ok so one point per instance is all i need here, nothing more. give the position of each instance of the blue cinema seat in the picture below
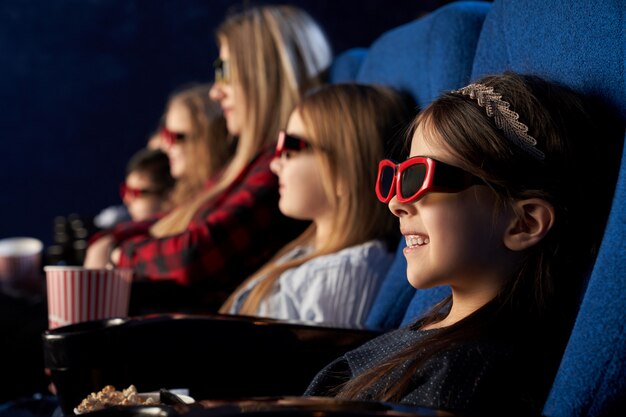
(423, 58)
(346, 65)
(429, 55)
(581, 45)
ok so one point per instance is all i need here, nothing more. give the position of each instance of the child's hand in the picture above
(115, 256)
(99, 252)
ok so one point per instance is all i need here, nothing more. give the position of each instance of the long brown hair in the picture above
(351, 124)
(207, 148)
(277, 53)
(536, 305)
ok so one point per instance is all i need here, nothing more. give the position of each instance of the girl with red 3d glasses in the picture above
(502, 200)
(324, 162)
(195, 138)
(148, 184)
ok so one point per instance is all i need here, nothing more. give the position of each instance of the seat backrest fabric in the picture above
(393, 297)
(346, 65)
(581, 44)
(422, 58)
(422, 301)
(429, 55)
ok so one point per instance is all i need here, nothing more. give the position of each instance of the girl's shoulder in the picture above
(382, 347)
(370, 250)
(479, 353)
(478, 376)
(372, 255)
(370, 259)
(488, 353)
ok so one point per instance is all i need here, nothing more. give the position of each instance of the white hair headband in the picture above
(505, 118)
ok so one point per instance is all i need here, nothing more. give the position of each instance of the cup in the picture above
(77, 294)
(20, 265)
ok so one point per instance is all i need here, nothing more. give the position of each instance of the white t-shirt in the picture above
(337, 288)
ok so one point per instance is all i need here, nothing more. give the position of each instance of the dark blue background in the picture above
(83, 83)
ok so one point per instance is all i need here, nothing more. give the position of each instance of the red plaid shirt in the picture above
(228, 238)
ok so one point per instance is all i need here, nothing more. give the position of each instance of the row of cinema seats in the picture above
(581, 44)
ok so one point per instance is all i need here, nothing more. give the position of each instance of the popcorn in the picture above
(108, 397)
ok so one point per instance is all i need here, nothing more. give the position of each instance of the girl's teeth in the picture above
(414, 240)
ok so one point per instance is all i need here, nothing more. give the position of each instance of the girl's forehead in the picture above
(178, 118)
(138, 179)
(224, 51)
(295, 124)
(426, 142)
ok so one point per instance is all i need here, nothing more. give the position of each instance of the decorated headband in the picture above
(505, 118)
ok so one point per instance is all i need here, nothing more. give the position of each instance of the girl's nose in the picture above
(276, 165)
(216, 93)
(127, 199)
(166, 146)
(400, 209)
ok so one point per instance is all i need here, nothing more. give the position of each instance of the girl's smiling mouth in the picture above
(415, 240)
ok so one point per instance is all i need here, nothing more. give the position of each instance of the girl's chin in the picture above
(416, 283)
(287, 212)
(418, 278)
(176, 172)
(292, 213)
(232, 126)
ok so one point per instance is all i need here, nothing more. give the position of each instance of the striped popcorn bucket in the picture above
(77, 294)
(20, 264)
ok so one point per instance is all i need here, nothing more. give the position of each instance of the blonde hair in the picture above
(277, 53)
(206, 148)
(348, 126)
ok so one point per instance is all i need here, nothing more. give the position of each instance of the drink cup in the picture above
(77, 294)
(20, 265)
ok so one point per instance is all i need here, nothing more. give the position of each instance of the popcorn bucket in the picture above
(77, 294)
(20, 264)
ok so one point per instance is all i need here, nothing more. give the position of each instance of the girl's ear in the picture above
(533, 219)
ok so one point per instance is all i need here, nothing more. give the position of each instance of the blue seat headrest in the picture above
(581, 45)
(346, 65)
(429, 55)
